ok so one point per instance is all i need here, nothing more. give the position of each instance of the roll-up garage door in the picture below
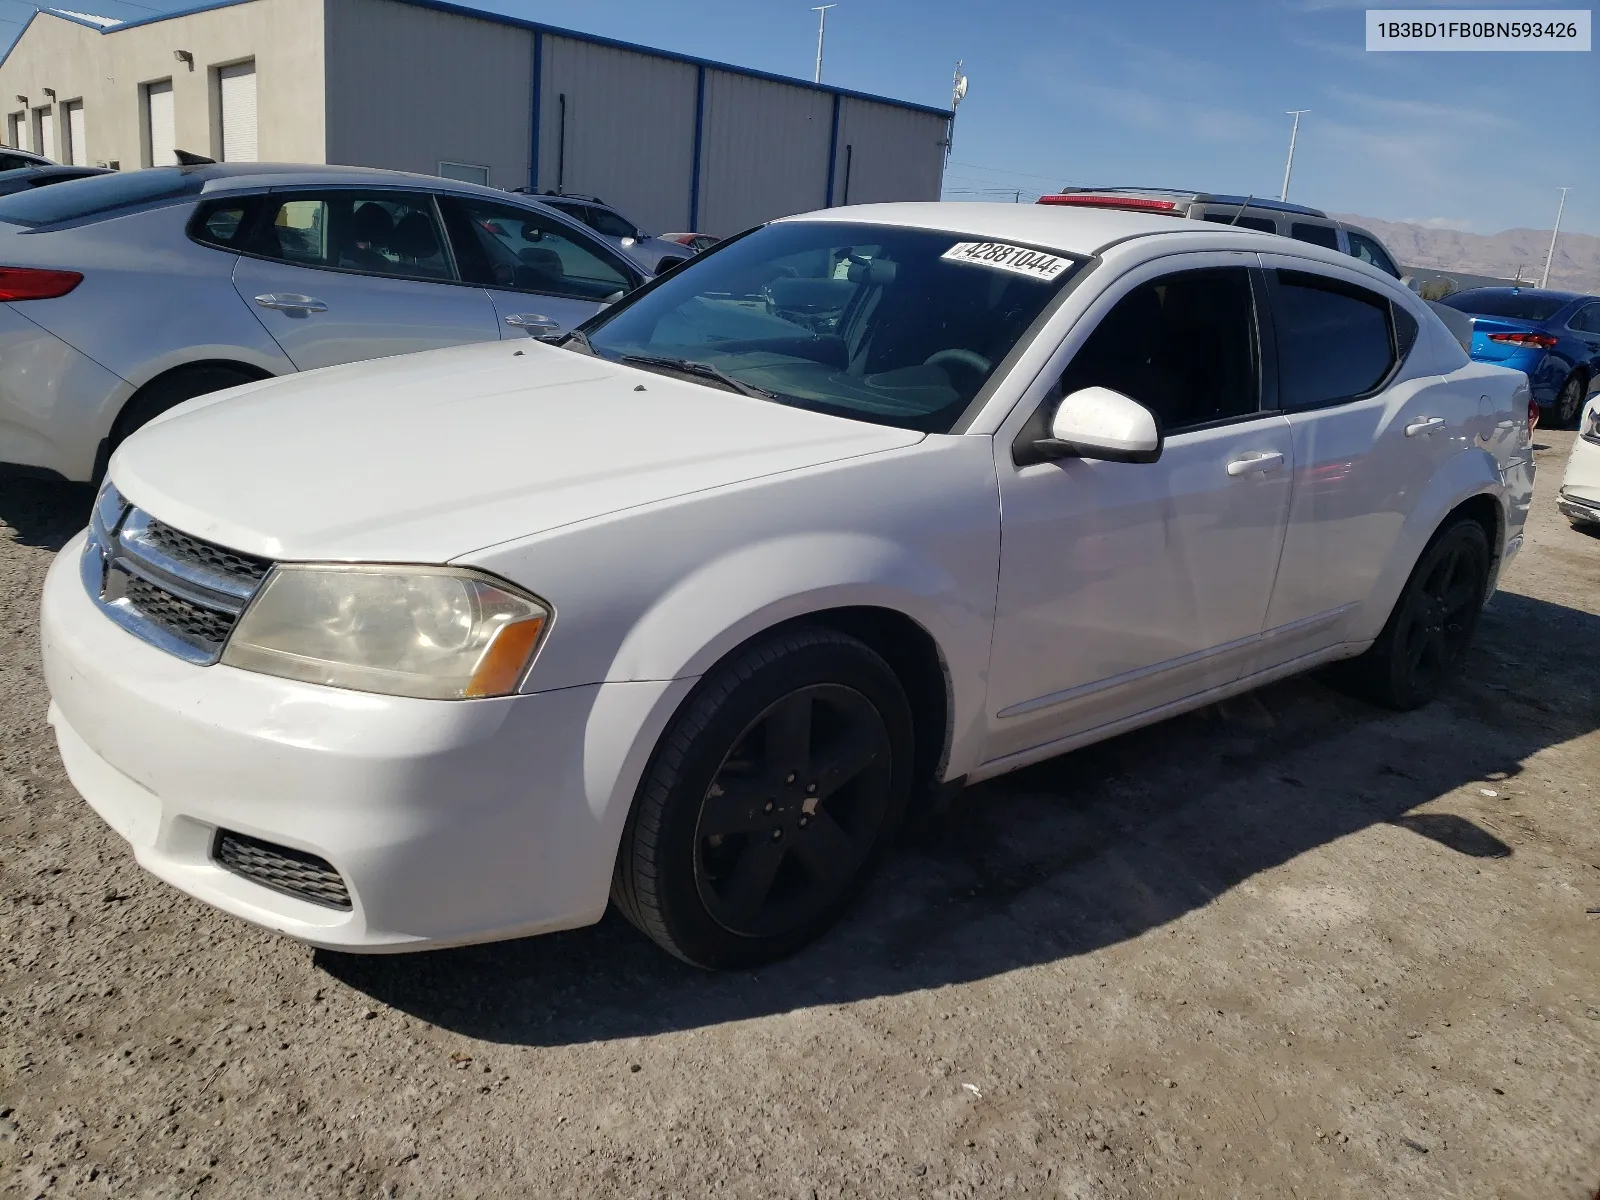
(77, 148)
(47, 132)
(163, 135)
(238, 87)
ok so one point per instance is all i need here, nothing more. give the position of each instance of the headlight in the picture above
(435, 633)
(1591, 422)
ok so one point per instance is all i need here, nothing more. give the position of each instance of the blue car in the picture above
(1552, 337)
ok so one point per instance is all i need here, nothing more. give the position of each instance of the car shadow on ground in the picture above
(1068, 856)
(44, 512)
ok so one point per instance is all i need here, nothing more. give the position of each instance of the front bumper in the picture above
(1578, 507)
(449, 822)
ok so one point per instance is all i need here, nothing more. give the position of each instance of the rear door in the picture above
(543, 275)
(338, 276)
(1364, 444)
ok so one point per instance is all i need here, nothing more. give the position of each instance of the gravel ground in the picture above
(1288, 946)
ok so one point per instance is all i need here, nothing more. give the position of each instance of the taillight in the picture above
(1533, 416)
(1542, 340)
(1135, 203)
(29, 283)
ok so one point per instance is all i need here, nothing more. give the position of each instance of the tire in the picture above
(160, 395)
(1569, 403)
(769, 802)
(1432, 624)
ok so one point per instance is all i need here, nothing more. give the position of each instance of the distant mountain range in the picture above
(1576, 266)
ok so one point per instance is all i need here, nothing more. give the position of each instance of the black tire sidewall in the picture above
(719, 718)
(1563, 420)
(169, 393)
(1402, 687)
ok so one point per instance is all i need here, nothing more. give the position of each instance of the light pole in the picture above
(1554, 233)
(958, 93)
(1293, 134)
(822, 23)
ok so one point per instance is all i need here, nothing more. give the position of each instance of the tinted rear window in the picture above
(1519, 306)
(77, 198)
(1264, 224)
(1333, 339)
(1317, 235)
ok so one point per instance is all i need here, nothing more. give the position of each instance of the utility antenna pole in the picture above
(1554, 233)
(822, 23)
(1293, 134)
(958, 93)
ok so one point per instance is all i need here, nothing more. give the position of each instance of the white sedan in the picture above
(682, 614)
(1579, 499)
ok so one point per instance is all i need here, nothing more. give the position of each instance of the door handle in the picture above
(1258, 463)
(1425, 425)
(289, 302)
(533, 324)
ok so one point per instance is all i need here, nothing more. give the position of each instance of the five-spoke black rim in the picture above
(1440, 616)
(793, 811)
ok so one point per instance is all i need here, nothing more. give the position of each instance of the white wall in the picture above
(411, 87)
(629, 130)
(765, 151)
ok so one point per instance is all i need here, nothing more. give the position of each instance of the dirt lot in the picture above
(1292, 947)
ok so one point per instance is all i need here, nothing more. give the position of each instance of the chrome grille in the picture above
(183, 548)
(176, 591)
(281, 868)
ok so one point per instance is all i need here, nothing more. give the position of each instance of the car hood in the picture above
(426, 457)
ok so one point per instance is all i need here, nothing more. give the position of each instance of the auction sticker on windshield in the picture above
(1036, 264)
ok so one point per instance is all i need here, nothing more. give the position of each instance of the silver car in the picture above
(654, 254)
(126, 294)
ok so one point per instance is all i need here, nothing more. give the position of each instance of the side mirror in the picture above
(1411, 282)
(1096, 422)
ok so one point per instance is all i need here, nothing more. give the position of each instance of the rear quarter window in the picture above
(97, 195)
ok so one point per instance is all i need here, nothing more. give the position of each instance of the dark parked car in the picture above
(1552, 337)
(20, 179)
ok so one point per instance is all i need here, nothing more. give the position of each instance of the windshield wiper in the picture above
(701, 370)
(579, 340)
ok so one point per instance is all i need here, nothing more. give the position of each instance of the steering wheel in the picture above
(967, 358)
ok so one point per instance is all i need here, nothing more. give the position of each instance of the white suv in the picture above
(684, 612)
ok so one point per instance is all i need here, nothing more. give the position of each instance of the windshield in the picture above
(1519, 306)
(74, 198)
(875, 322)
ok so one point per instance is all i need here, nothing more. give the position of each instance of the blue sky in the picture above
(1166, 92)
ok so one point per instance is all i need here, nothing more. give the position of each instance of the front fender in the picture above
(735, 597)
(1472, 472)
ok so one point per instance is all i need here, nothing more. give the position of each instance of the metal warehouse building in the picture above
(676, 143)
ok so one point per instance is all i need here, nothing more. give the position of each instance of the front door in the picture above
(338, 276)
(544, 276)
(1125, 587)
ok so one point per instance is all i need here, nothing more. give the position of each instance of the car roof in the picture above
(1193, 197)
(1071, 230)
(1537, 293)
(217, 177)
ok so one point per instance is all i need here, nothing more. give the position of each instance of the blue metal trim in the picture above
(833, 152)
(534, 115)
(699, 133)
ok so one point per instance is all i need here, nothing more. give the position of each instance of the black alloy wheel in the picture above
(771, 796)
(793, 811)
(1569, 402)
(1432, 623)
